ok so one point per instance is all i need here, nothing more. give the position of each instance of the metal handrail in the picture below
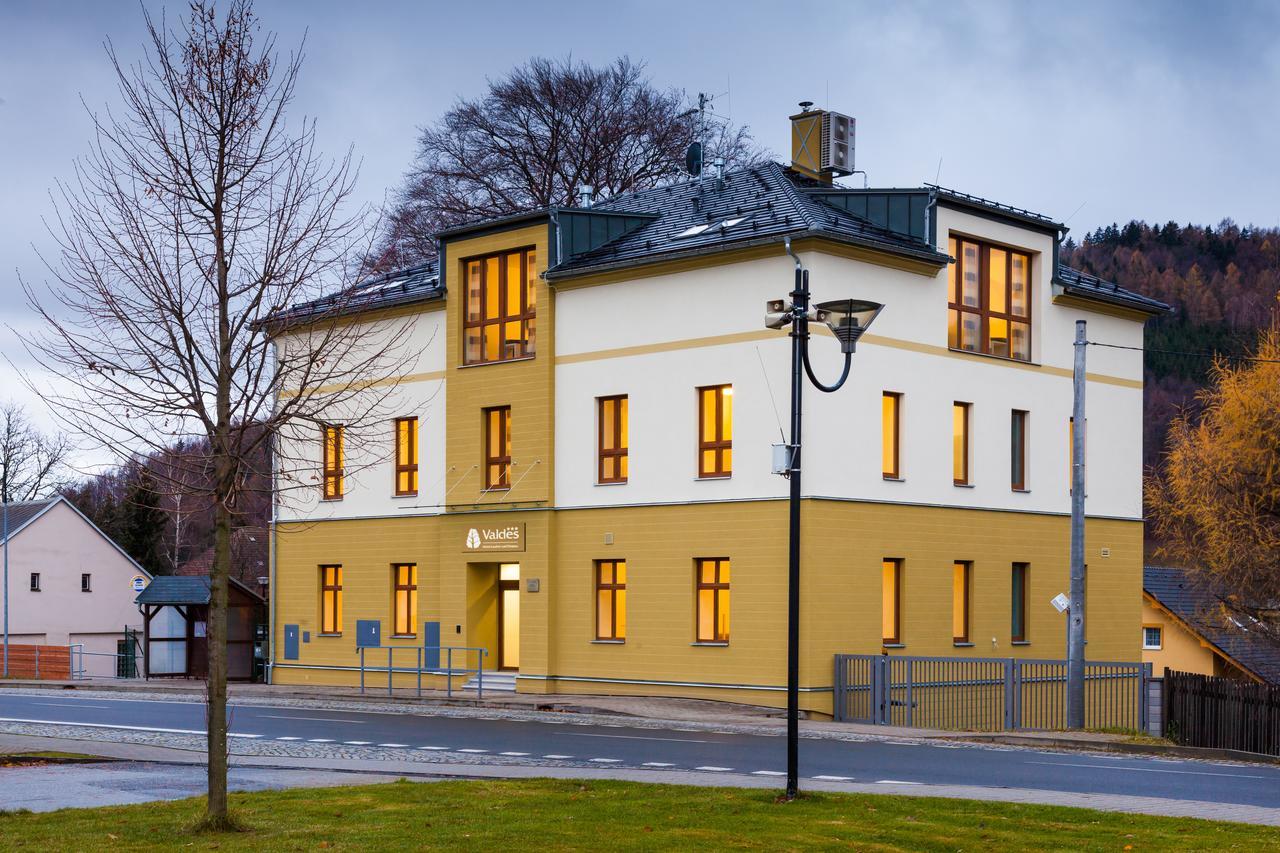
(448, 671)
(78, 668)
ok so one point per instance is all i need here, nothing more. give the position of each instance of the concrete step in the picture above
(498, 682)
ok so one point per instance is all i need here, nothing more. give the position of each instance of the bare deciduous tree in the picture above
(200, 219)
(31, 461)
(539, 133)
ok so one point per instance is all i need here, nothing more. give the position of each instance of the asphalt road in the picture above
(681, 749)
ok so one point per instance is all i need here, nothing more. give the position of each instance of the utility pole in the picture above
(5, 533)
(1075, 615)
(799, 335)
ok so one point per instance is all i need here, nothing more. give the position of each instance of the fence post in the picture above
(37, 663)
(836, 699)
(419, 672)
(362, 669)
(448, 673)
(880, 691)
(1008, 693)
(911, 702)
(1144, 698)
(480, 673)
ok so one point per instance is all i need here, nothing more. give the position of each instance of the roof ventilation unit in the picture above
(821, 142)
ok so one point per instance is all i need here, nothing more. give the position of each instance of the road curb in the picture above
(1167, 750)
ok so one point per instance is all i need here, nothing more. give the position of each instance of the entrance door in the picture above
(509, 616)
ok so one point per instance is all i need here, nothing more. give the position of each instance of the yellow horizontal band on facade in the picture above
(877, 340)
(430, 376)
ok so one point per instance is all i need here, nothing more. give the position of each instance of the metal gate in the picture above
(985, 694)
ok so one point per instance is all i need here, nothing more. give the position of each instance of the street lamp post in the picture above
(847, 319)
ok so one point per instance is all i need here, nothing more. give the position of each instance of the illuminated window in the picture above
(611, 599)
(891, 601)
(961, 589)
(497, 448)
(713, 601)
(1018, 451)
(715, 431)
(612, 429)
(989, 296)
(331, 599)
(1018, 611)
(890, 407)
(499, 307)
(960, 443)
(1152, 637)
(406, 438)
(404, 616)
(331, 448)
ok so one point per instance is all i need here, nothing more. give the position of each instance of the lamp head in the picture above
(848, 319)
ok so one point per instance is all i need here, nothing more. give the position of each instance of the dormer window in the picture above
(500, 307)
(989, 297)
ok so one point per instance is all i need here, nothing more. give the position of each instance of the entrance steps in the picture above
(498, 682)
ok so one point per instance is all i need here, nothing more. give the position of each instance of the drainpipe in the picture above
(274, 539)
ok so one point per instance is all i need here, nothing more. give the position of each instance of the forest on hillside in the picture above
(1223, 283)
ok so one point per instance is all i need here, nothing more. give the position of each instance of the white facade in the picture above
(61, 546)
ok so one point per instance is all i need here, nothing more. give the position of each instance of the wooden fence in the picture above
(1223, 713)
(30, 661)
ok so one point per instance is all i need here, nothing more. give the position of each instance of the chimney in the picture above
(821, 143)
(586, 195)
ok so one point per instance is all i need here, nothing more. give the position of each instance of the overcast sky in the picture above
(1089, 112)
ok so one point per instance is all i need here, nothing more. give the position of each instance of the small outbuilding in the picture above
(175, 614)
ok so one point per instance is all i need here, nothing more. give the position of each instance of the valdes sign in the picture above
(493, 537)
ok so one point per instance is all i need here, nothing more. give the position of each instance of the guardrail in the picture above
(985, 694)
(449, 671)
(122, 666)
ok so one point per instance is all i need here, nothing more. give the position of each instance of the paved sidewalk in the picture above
(360, 770)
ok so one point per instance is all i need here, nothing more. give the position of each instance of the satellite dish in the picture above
(693, 159)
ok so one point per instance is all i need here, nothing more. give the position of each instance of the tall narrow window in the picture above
(331, 449)
(612, 430)
(499, 307)
(960, 443)
(961, 589)
(35, 581)
(989, 297)
(1018, 451)
(713, 601)
(86, 583)
(611, 600)
(406, 438)
(890, 408)
(404, 610)
(891, 601)
(715, 431)
(497, 448)
(331, 599)
(1018, 606)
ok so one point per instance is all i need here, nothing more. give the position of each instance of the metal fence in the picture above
(1224, 713)
(985, 694)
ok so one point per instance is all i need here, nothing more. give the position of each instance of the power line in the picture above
(1208, 355)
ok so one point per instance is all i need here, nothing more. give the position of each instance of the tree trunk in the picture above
(217, 815)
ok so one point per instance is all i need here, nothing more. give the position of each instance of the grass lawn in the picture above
(540, 815)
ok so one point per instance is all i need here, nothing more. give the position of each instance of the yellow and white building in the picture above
(578, 477)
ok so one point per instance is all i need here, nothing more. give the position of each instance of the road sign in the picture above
(139, 583)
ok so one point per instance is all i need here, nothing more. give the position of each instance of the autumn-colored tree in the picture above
(1215, 505)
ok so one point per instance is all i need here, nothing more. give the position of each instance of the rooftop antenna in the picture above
(938, 174)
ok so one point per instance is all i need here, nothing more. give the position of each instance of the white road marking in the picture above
(288, 737)
(832, 778)
(607, 760)
(394, 745)
(320, 740)
(357, 742)
(513, 753)
(317, 719)
(71, 705)
(902, 742)
(657, 764)
(712, 768)
(894, 782)
(557, 757)
(435, 748)
(640, 737)
(769, 773)
(1148, 770)
(124, 728)
(473, 750)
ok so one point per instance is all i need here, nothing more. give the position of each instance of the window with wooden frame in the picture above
(331, 599)
(960, 413)
(1018, 605)
(890, 410)
(891, 601)
(712, 601)
(499, 309)
(989, 297)
(611, 600)
(331, 454)
(611, 431)
(715, 431)
(497, 448)
(1018, 450)
(406, 439)
(961, 593)
(404, 604)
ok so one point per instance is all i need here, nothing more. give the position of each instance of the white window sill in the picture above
(712, 479)
(1004, 358)
(894, 479)
(894, 645)
(608, 642)
(963, 485)
(1153, 648)
(1021, 491)
(619, 483)
(498, 361)
(964, 645)
(711, 644)
(395, 496)
(1019, 642)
